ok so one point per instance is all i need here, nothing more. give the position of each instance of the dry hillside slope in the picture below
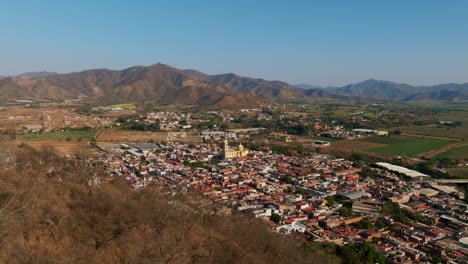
(158, 83)
(50, 214)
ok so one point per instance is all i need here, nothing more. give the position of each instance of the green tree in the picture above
(300, 191)
(365, 224)
(391, 208)
(367, 172)
(139, 127)
(155, 127)
(275, 217)
(436, 260)
(364, 253)
(380, 223)
(85, 108)
(345, 211)
(287, 179)
(357, 159)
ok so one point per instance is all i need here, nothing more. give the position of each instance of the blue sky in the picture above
(316, 42)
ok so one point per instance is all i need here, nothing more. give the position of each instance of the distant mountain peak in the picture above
(307, 86)
(37, 74)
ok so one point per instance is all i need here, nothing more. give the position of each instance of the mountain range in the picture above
(37, 74)
(32, 74)
(385, 90)
(163, 84)
(159, 83)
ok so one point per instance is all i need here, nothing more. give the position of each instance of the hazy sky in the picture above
(316, 42)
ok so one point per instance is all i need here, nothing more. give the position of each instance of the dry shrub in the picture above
(51, 212)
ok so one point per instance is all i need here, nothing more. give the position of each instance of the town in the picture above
(343, 180)
(408, 216)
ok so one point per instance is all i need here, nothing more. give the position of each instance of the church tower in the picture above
(226, 146)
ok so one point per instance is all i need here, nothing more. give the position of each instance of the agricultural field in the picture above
(365, 143)
(388, 140)
(460, 173)
(65, 135)
(128, 106)
(437, 131)
(139, 136)
(354, 145)
(460, 153)
(62, 147)
(56, 117)
(455, 112)
(411, 148)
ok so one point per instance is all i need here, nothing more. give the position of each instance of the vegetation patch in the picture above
(65, 135)
(129, 106)
(437, 131)
(411, 148)
(456, 153)
(458, 173)
(355, 145)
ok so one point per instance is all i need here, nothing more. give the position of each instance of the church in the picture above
(234, 153)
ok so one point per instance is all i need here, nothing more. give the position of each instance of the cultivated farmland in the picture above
(139, 136)
(128, 106)
(460, 173)
(354, 145)
(412, 148)
(456, 132)
(72, 135)
(388, 140)
(456, 153)
(60, 146)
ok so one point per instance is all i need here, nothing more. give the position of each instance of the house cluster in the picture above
(237, 134)
(170, 120)
(336, 131)
(86, 121)
(367, 132)
(333, 131)
(315, 198)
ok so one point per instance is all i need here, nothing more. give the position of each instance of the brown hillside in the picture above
(158, 83)
(51, 214)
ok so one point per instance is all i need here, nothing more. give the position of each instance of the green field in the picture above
(411, 148)
(456, 153)
(73, 135)
(128, 106)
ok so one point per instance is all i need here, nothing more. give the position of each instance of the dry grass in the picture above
(439, 132)
(50, 212)
(138, 136)
(19, 116)
(355, 145)
(62, 147)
